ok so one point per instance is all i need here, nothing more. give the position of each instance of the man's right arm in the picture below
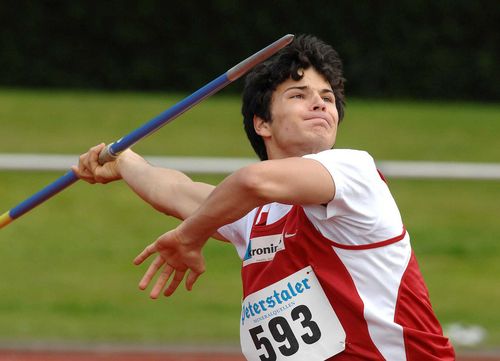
(167, 190)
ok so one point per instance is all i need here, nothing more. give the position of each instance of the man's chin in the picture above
(324, 136)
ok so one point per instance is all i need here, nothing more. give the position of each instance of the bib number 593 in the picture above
(284, 335)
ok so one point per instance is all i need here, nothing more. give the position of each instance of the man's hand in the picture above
(91, 171)
(175, 256)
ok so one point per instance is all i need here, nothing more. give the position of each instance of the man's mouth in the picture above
(320, 120)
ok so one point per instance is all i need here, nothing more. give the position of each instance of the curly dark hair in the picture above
(305, 51)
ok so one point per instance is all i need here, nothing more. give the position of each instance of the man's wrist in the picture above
(127, 158)
(196, 230)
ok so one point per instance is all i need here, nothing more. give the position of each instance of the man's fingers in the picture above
(84, 175)
(148, 276)
(178, 276)
(86, 164)
(82, 169)
(175, 259)
(94, 156)
(76, 170)
(161, 281)
(148, 251)
(191, 279)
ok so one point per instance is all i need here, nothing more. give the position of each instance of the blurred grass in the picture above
(68, 272)
(455, 234)
(67, 266)
(70, 122)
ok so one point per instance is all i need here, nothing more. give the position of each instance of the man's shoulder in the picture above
(350, 155)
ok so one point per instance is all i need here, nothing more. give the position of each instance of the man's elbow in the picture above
(255, 183)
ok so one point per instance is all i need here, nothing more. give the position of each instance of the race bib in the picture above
(290, 320)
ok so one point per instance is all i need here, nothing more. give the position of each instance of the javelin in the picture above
(114, 149)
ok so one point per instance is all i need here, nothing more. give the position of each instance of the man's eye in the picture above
(298, 96)
(328, 99)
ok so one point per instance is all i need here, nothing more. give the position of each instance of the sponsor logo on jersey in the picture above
(263, 249)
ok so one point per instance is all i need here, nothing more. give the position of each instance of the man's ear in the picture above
(261, 126)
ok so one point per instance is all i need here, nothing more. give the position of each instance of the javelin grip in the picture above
(114, 149)
(106, 155)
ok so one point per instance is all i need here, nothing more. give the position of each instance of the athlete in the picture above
(327, 266)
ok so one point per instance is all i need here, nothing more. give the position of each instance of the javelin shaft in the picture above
(114, 149)
(41, 196)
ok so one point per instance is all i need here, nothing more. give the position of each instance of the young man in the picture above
(328, 270)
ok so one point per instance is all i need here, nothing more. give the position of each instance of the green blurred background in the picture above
(422, 85)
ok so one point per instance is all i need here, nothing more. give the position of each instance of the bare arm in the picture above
(290, 181)
(167, 190)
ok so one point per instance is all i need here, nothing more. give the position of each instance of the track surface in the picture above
(33, 355)
(112, 356)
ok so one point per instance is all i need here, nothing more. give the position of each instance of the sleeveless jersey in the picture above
(338, 297)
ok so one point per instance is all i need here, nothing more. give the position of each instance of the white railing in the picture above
(215, 165)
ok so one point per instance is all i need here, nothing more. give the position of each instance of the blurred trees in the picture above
(446, 49)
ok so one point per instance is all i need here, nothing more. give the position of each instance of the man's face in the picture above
(304, 117)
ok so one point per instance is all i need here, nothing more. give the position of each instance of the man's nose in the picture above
(318, 103)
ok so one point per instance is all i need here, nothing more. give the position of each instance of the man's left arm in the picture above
(289, 181)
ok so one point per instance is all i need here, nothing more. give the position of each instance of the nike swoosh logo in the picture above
(288, 235)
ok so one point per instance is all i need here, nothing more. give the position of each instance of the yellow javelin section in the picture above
(5, 219)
